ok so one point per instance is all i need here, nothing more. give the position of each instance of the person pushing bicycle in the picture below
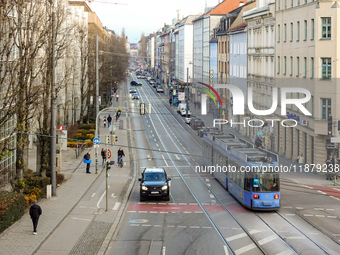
(120, 156)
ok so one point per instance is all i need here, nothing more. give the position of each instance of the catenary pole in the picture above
(97, 97)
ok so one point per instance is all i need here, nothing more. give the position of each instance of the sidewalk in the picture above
(19, 238)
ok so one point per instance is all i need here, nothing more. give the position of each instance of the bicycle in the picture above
(120, 161)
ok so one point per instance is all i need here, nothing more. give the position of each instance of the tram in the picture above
(249, 174)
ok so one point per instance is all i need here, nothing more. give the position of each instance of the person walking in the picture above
(103, 153)
(120, 156)
(87, 160)
(170, 101)
(117, 97)
(35, 212)
(109, 120)
(104, 121)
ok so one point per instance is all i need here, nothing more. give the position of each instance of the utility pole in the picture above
(53, 116)
(187, 96)
(220, 108)
(97, 96)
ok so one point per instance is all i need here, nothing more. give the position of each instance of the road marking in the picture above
(245, 248)
(295, 237)
(186, 212)
(178, 158)
(148, 125)
(80, 219)
(320, 215)
(330, 209)
(134, 225)
(153, 135)
(333, 217)
(146, 225)
(153, 212)
(112, 195)
(198, 212)
(192, 203)
(171, 226)
(142, 212)
(163, 250)
(267, 239)
(208, 184)
(336, 234)
(308, 215)
(101, 198)
(93, 194)
(131, 211)
(206, 227)
(324, 193)
(286, 252)
(82, 206)
(116, 206)
(165, 160)
(181, 226)
(299, 208)
(290, 214)
(287, 207)
(194, 227)
(207, 180)
(151, 131)
(232, 238)
(157, 225)
(226, 251)
(155, 139)
(319, 209)
(212, 196)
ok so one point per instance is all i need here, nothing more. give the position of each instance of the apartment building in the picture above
(307, 50)
(261, 67)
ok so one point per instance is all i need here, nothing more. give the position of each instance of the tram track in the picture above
(231, 214)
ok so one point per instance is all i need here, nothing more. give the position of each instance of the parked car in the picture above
(159, 89)
(135, 96)
(196, 124)
(133, 90)
(133, 83)
(181, 106)
(184, 112)
(205, 130)
(154, 183)
(139, 83)
(188, 119)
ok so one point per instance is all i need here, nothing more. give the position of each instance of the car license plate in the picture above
(154, 192)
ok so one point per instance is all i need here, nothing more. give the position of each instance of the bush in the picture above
(12, 208)
(72, 130)
(60, 178)
(87, 126)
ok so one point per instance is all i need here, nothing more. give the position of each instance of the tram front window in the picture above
(265, 182)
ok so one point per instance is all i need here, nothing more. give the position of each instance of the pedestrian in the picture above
(300, 159)
(170, 101)
(35, 212)
(103, 153)
(87, 160)
(104, 121)
(109, 119)
(117, 97)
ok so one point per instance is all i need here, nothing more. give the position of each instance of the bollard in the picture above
(48, 191)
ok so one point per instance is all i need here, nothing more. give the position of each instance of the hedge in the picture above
(12, 208)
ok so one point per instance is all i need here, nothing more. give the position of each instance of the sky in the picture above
(145, 16)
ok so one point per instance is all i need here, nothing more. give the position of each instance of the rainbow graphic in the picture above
(209, 93)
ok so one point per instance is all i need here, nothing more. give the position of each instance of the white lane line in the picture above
(101, 198)
(146, 225)
(178, 158)
(171, 226)
(181, 226)
(157, 225)
(153, 135)
(306, 186)
(207, 180)
(192, 203)
(267, 239)
(322, 192)
(148, 125)
(232, 238)
(212, 196)
(93, 194)
(116, 206)
(245, 249)
(157, 144)
(151, 203)
(151, 131)
(131, 211)
(113, 195)
(82, 206)
(155, 139)
(320, 216)
(186, 212)
(319, 209)
(182, 203)
(333, 217)
(142, 212)
(134, 225)
(287, 207)
(163, 250)
(194, 227)
(226, 251)
(206, 227)
(153, 212)
(80, 219)
(308, 215)
(295, 237)
(299, 208)
(330, 209)
(165, 160)
(208, 184)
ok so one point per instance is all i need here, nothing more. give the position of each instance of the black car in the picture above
(154, 183)
(196, 124)
(205, 130)
(133, 83)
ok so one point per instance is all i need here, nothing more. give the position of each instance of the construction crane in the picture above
(104, 2)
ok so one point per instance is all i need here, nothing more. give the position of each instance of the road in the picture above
(202, 218)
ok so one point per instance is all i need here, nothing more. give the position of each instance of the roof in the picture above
(223, 8)
(154, 170)
(188, 20)
(239, 23)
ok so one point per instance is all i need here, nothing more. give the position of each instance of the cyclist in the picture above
(119, 111)
(120, 156)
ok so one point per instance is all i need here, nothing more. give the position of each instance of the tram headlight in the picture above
(255, 196)
(276, 196)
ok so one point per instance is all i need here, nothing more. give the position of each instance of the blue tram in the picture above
(250, 175)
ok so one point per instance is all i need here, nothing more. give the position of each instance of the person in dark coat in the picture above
(35, 212)
(87, 161)
(109, 119)
(103, 153)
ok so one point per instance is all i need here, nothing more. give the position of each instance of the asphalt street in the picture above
(202, 218)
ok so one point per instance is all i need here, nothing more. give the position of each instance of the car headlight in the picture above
(165, 187)
(144, 188)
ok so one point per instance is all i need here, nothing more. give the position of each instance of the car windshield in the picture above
(154, 177)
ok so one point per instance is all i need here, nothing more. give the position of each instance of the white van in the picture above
(181, 106)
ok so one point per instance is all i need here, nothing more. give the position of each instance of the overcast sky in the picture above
(145, 16)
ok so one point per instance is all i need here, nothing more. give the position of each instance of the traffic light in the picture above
(107, 139)
(330, 121)
(108, 165)
(114, 139)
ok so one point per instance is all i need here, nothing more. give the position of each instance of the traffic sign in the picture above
(109, 154)
(96, 140)
(96, 146)
(112, 128)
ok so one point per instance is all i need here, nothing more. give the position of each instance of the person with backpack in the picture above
(104, 121)
(87, 160)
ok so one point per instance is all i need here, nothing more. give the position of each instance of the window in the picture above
(285, 4)
(291, 32)
(285, 59)
(305, 30)
(312, 29)
(292, 3)
(326, 68)
(298, 3)
(298, 65)
(325, 108)
(305, 67)
(285, 32)
(312, 67)
(298, 31)
(291, 66)
(278, 32)
(305, 1)
(326, 28)
(278, 65)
